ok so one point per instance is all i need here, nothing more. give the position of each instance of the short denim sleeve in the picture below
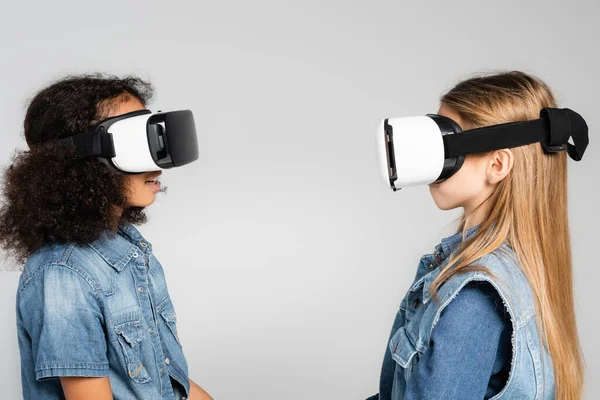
(471, 333)
(62, 316)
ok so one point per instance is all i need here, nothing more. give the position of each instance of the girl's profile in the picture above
(490, 313)
(94, 316)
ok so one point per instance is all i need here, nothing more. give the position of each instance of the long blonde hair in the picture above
(527, 210)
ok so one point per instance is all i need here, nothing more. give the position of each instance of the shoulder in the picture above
(57, 292)
(503, 262)
(505, 280)
(52, 264)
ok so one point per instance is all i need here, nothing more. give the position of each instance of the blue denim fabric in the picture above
(471, 339)
(99, 310)
(411, 364)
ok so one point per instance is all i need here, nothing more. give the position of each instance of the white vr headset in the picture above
(429, 149)
(140, 141)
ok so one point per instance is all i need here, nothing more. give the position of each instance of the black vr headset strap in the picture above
(553, 129)
(96, 143)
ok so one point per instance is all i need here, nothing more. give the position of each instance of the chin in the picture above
(143, 202)
(440, 206)
(443, 205)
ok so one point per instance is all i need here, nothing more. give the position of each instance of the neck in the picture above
(474, 215)
(116, 214)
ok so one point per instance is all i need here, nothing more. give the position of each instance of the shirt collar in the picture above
(131, 233)
(449, 244)
(441, 254)
(118, 248)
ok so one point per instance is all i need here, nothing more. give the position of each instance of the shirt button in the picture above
(416, 303)
(161, 370)
(430, 266)
(135, 255)
(167, 361)
(150, 330)
(140, 289)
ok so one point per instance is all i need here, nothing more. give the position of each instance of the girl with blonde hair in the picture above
(491, 313)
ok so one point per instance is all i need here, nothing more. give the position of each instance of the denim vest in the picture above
(531, 375)
(99, 310)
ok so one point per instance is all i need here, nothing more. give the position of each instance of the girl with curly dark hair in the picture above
(94, 316)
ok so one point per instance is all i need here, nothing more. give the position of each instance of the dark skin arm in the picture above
(197, 393)
(86, 388)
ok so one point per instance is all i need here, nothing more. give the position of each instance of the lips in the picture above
(154, 177)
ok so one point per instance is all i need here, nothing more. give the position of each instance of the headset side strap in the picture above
(553, 129)
(98, 143)
(495, 137)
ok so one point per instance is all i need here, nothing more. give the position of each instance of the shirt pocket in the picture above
(403, 353)
(130, 335)
(166, 310)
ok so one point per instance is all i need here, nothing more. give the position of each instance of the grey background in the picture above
(285, 256)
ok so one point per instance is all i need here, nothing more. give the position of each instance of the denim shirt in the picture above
(99, 310)
(408, 352)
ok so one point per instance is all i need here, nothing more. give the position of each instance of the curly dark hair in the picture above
(50, 194)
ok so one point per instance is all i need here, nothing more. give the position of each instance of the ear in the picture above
(500, 164)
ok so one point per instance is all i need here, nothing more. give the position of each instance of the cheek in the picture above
(135, 184)
(130, 182)
(447, 195)
(457, 190)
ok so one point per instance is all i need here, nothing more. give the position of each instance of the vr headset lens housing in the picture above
(411, 151)
(175, 131)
